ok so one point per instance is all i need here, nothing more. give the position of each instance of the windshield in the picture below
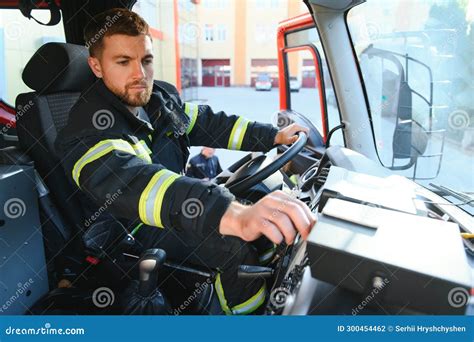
(416, 59)
(263, 78)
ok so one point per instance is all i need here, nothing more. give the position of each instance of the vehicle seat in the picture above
(57, 73)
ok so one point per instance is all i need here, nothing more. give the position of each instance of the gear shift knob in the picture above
(150, 263)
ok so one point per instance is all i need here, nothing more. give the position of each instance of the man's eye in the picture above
(123, 62)
(148, 61)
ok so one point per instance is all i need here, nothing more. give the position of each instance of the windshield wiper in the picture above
(445, 191)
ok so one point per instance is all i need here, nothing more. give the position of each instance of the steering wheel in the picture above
(261, 167)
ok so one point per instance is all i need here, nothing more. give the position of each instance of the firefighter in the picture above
(205, 165)
(130, 135)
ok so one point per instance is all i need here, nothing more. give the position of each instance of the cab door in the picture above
(312, 101)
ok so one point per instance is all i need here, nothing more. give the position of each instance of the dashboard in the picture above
(376, 246)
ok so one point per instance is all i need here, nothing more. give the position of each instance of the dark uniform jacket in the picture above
(201, 167)
(109, 153)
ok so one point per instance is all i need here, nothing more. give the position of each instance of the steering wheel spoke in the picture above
(258, 168)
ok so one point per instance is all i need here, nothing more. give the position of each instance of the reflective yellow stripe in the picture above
(220, 295)
(192, 111)
(97, 151)
(151, 199)
(246, 307)
(252, 304)
(237, 134)
(142, 150)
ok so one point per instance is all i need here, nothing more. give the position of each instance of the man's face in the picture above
(126, 67)
(208, 152)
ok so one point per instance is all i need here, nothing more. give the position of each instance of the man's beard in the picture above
(136, 100)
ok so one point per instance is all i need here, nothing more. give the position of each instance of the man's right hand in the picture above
(278, 216)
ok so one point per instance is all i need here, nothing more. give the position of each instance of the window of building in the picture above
(209, 32)
(221, 32)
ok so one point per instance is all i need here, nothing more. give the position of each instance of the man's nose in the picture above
(138, 71)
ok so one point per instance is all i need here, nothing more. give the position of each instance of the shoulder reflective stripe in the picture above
(99, 150)
(145, 146)
(237, 134)
(142, 150)
(246, 307)
(220, 295)
(252, 304)
(151, 199)
(192, 111)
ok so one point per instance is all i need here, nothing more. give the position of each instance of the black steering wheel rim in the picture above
(267, 171)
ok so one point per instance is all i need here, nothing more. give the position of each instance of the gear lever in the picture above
(150, 263)
(143, 297)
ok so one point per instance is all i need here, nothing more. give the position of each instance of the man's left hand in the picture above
(288, 135)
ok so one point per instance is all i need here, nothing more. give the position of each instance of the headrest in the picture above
(58, 67)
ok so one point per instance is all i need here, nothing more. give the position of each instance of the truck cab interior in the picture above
(384, 231)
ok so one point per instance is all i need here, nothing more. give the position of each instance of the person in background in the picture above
(205, 165)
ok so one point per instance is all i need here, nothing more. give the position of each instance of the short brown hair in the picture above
(110, 22)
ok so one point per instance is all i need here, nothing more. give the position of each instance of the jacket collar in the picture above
(161, 109)
(106, 95)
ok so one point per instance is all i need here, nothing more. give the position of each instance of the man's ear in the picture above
(95, 66)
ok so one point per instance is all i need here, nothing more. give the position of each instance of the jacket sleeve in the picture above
(232, 132)
(117, 175)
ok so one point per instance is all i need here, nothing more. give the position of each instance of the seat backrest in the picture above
(57, 73)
